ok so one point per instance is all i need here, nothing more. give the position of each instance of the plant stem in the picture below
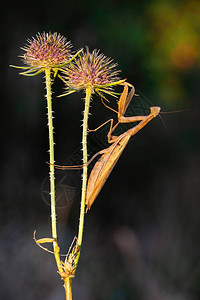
(84, 182)
(68, 288)
(52, 177)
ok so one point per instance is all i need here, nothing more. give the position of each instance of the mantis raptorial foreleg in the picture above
(123, 103)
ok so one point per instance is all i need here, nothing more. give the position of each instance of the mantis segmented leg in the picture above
(110, 155)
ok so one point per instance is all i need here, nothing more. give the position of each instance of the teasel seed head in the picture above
(46, 50)
(91, 70)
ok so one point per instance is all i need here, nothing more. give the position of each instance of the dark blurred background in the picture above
(141, 238)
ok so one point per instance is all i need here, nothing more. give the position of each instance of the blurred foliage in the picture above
(160, 38)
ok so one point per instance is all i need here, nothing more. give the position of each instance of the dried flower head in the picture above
(91, 70)
(46, 50)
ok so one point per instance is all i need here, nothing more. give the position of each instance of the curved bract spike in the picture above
(19, 67)
(67, 62)
(55, 70)
(68, 93)
(111, 84)
(106, 92)
(28, 73)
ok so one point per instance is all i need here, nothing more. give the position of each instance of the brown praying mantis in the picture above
(110, 155)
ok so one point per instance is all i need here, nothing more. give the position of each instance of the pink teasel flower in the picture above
(46, 50)
(91, 70)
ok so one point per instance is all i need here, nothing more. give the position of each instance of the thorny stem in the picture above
(52, 177)
(84, 182)
(68, 288)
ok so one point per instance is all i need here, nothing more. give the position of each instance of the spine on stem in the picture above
(52, 172)
(85, 160)
(51, 153)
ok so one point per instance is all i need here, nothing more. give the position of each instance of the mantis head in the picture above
(155, 110)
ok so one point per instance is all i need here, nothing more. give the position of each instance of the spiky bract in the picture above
(91, 70)
(46, 50)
